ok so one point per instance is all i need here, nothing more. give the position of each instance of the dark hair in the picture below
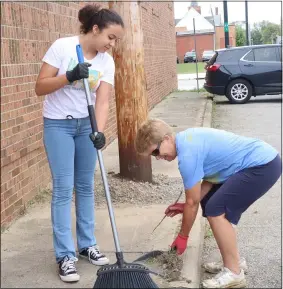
(91, 15)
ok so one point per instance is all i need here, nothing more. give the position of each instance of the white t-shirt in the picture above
(71, 99)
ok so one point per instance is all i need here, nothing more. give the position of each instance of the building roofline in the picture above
(186, 33)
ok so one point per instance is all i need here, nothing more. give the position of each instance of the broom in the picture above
(120, 274)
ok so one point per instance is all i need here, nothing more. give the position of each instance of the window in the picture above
(265, 54)
(249, 56)
(232, 55)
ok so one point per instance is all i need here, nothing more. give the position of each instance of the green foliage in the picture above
(265, 32)
(240, 36)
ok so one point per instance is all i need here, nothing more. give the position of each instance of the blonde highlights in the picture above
(151, 132)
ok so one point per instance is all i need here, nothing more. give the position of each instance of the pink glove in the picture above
(180, 244)
(174, 209)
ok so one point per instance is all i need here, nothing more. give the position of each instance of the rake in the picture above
(121, 274)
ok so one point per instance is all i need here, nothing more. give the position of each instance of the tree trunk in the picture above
(130, 92)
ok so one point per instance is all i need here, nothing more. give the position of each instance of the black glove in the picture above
(80, 71)
(98, 140)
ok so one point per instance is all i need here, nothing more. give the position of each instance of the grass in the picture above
(208, 232)
(186, 68)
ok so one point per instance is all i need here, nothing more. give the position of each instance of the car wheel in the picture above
(239, 91)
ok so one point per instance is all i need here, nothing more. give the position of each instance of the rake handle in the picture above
(99, 153)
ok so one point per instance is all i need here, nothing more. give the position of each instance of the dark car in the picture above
(207, 54)
(242, 72)
(190, 57)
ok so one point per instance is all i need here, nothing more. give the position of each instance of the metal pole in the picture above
(247, 23)
(250, 36)
(214, 42)
(196, 52)
(226, 26)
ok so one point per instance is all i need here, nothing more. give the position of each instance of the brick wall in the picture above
(27, 30)
(186, 43)
(160, 49)
(220, 36)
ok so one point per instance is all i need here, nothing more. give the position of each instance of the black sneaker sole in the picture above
(70, 278)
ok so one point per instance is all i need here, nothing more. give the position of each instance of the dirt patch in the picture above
(163, 189)
(169, 264)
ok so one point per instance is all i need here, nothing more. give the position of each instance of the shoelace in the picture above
(69, 265)
(94, 251)
(218, 277)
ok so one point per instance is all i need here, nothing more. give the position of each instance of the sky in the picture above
(257, 11)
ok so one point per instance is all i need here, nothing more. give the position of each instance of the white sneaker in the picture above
(226, 279)
(94, 256)
(215, 267)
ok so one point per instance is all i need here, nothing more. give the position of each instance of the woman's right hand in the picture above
(174, 209)
(80, 71)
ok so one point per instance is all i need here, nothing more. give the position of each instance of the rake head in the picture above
(129, 275)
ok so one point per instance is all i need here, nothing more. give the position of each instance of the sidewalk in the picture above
(27, 247)
(191, 76)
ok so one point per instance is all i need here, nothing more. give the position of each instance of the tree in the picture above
(240, 36)
(265, 32)
(269, 32)
(256, 35)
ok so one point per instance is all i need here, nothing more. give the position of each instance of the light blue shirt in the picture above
(214, 155)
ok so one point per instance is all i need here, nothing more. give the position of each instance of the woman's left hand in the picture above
(98, 140)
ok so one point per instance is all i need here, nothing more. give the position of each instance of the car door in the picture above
(279, 53)
(263, 68)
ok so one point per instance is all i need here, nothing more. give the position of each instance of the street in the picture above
(259, 230)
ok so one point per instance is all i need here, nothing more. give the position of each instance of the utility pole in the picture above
(130, 92)
(226, 26)
(247, 23)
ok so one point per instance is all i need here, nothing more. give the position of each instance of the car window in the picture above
(249, 56)
(231, 55)
(265, 54)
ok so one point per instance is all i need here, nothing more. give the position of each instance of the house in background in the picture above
(185, 33)
(215, 18)
(209, 32)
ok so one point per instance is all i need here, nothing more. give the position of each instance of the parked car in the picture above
(190, 56)
(207, 54)
(242, 72)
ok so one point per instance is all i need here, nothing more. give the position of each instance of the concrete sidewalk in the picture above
(27, 247)
(191, 76)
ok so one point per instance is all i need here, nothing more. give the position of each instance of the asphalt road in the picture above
(259, 231)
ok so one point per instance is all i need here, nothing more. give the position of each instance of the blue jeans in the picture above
(72, 158)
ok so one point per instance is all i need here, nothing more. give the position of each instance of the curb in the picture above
(192, 258)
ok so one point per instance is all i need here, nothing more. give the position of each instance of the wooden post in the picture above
(130, 92)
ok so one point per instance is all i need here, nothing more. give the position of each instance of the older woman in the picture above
(223, 172)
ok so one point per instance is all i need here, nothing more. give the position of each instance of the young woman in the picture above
(223, 172)
(70, 151)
